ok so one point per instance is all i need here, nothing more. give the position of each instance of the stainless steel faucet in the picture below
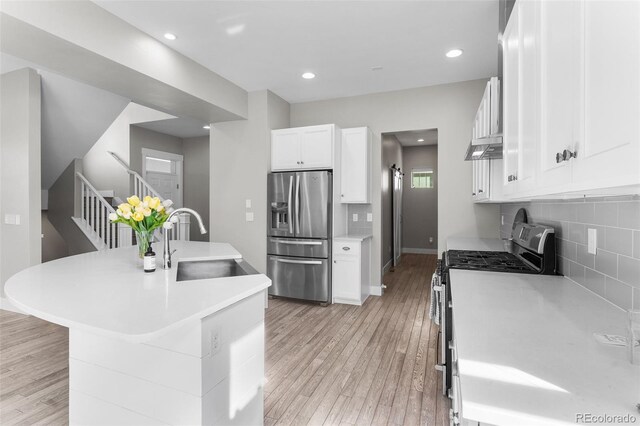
(166, 255)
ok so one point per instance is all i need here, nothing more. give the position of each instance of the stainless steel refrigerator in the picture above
(299, 235)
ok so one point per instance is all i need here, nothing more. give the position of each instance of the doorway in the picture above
(164, 172)
(409, 194)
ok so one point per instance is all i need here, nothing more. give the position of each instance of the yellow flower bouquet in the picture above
(143, 216)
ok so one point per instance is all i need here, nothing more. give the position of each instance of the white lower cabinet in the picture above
(350, 272)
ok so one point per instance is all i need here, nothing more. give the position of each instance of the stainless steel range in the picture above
(531, 250)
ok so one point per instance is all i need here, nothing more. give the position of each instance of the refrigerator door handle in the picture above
(297, 213)
(300, 262)
(290, 216)
(298, 243)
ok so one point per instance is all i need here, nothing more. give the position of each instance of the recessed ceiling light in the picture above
(420, 140)
(454, 53)
(206, 126)
(170, 36)
(308, 75)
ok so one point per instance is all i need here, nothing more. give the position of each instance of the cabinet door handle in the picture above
(346, 248)
(559, 157)
(302, 162)
(473, 194)
(568, 155)
(480, 191)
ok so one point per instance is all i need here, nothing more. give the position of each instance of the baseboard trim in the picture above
(376, 290)
(6, 305)
(419, 250)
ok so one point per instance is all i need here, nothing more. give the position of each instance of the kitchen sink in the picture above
(206, 269)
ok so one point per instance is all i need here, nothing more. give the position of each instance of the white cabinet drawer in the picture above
(346, 248)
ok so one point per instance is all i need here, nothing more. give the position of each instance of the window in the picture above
(160, 165)
(422, 178)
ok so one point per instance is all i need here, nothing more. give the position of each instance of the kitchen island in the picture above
(146, 348)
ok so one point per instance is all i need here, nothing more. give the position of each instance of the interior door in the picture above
(397, 217)
(312, 206)
(168, 185)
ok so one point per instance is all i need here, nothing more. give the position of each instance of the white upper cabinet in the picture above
(356, 166)
(609, 153)
(572, 98)
(511, 107)
(285, 149)
(560, 89)
(303, 148)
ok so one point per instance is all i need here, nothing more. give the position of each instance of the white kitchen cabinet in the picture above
(355, 182)
(511, 105)
(350, 272)
(572, 99)
(609, 152)
(520, 98)
(303, 148)
(560, 89)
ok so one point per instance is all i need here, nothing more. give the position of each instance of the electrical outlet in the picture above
(249, 216)
(247, 204)
(12, 219)
(430, 240)
(369, 217)
(215, 342)
(355, 217)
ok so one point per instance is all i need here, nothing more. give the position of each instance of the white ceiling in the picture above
(269, 44)
(410, 138)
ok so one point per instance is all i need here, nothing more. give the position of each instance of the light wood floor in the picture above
(335, 365)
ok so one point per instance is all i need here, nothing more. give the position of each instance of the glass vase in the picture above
(144, 240)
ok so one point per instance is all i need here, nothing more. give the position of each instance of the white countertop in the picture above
(353, 237)
(527, 355)
(108, 293)
(478, 244)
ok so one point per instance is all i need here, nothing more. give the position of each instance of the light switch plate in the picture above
(249, 216)
(12, 219)
(369, 217)
(355, 217)
(592, 240)
(247, 204)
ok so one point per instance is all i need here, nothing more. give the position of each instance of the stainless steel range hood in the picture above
(486, 148)
(490, 147)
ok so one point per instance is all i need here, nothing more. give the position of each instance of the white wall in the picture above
(240, 157)
(196, 181)
(450, 108)
(100, 168)
(20, 245)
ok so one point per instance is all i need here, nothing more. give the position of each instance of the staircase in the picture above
(92, 212)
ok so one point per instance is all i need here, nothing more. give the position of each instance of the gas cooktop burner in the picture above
(496, 261)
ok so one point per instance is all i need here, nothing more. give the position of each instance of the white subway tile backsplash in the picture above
(629, 270)
(594, 281)
(629, 214)
(614, 272)
(606, 214)
(619, 240)
(607, 263)
(585, 212)
(619, 293)
(585, 258)
(577, 232)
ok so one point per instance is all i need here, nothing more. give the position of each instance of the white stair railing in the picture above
(94, 218)
(141, 188)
